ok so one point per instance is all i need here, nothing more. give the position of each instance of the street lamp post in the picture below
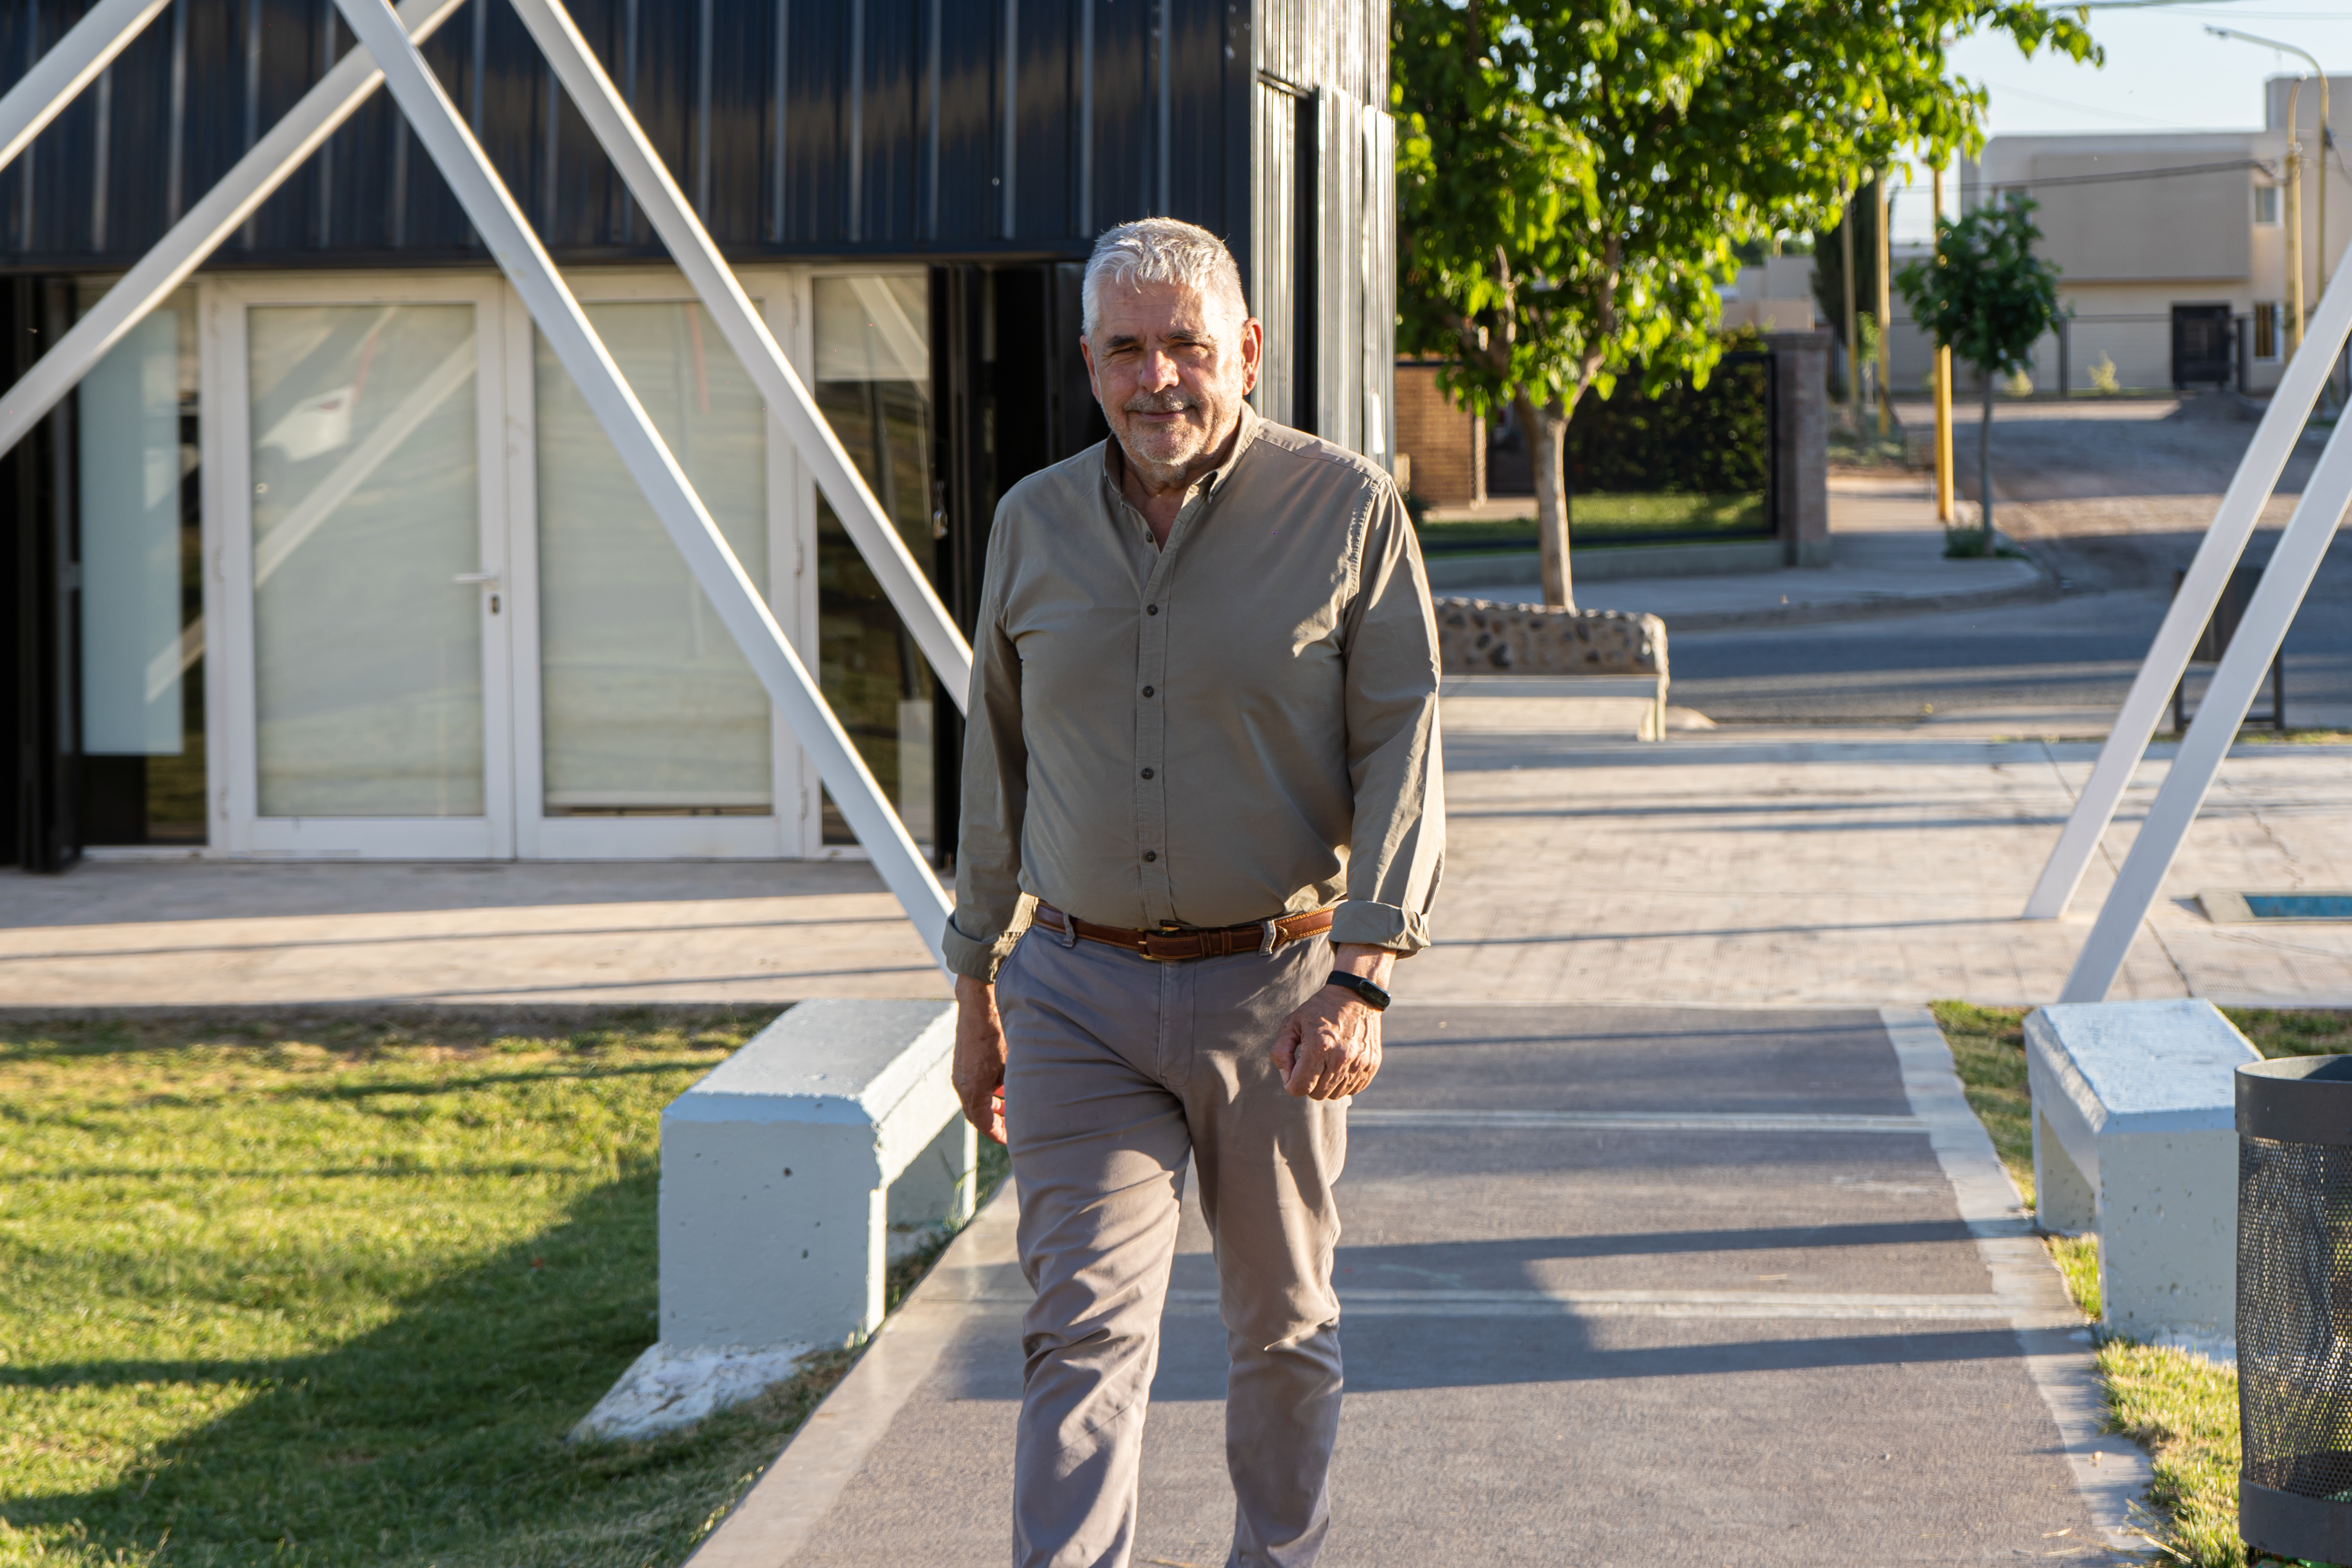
(2295, 173)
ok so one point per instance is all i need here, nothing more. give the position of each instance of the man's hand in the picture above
(979, 1072)
(1330, 1047)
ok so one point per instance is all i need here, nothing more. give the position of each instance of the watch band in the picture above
(1372, 995)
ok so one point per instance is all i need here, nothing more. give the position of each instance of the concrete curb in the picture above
(2109, 1471)
(2043, 589)
(774, 1521)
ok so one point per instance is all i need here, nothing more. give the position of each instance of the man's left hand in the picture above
(1330, 1047)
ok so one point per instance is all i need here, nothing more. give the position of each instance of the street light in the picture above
(2294, 177)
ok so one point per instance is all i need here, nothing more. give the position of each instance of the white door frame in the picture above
(537, 836)
(514, 826)
(233, 753)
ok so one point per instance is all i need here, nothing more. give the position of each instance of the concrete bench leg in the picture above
(2063, 1202)
(2135, 1137)
(935, 1189)
(790, 1176)
(2168, 1208)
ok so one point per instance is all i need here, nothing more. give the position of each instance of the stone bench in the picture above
(1479, 637)
(2135, 1137)
(792, 1175)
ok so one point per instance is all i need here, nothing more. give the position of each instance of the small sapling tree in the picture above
(1987, 297)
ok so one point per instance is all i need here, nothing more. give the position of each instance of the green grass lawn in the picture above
(319, 1293)
(2181, 1408)
(1593, 518)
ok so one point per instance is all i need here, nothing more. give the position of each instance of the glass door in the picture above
(873, 357)
(640, 729)
(364, 513)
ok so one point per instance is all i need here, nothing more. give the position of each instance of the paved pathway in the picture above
(1754, 864)
(1619, 1287)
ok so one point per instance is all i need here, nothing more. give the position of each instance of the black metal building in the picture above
(908, 186)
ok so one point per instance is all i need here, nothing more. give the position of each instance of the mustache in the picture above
(1160, 403)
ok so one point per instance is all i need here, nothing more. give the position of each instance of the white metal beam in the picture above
(248, 183)
(74, 61)
(441, 130)
(648, 179)
(2192, 606)
(2210, 734)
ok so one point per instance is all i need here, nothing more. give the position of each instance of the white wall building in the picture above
(2171, 246)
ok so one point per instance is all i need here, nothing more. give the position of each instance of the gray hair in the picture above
(1163, 250)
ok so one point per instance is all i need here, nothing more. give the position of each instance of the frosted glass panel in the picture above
(132, 657)
(368, 650)
(872, 329)
(646, 704)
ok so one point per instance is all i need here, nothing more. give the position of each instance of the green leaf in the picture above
(1573, 177)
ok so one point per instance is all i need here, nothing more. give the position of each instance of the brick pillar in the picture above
(1802, 464)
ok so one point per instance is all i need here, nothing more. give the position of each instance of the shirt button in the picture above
(1147, 692)
(1151, 855)
(1150, 609)
(1147, 773)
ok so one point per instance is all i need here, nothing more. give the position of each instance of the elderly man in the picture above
(1202, 820)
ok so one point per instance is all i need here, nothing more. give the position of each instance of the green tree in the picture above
(1987, 297)
(1573, 176)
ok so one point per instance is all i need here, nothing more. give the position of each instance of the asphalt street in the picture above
(2112, 497)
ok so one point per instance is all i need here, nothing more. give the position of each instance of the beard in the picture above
(1172, 442)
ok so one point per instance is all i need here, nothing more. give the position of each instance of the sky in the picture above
(2164, 72)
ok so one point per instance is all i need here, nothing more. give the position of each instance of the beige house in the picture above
(2171, 246)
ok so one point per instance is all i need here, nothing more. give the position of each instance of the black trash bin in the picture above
(2294, 1307)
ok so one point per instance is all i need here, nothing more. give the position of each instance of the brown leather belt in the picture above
(1178, 945)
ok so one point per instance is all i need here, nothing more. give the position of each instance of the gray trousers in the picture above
(1117, 1069)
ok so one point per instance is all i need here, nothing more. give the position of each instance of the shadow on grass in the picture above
(363, 1029)
(438, 1436)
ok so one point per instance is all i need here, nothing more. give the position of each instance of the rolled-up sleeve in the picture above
(990, 910)
(1397, 847)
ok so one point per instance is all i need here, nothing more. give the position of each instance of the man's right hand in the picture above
(979, 1072)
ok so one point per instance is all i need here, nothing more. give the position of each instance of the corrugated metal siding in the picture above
(1341, 44)
(1274, 279)
(1378, 260)
(894, 135)
(1324, 281)
(1339, 307)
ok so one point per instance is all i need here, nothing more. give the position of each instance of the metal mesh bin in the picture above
(2294, 1307)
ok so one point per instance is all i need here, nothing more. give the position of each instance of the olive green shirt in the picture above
(1241, 725)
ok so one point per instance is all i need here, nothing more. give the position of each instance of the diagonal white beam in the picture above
(2253, 646)
(2192, 606)
(491, 207)
(648, 179)
(89, 47)
(212, 220)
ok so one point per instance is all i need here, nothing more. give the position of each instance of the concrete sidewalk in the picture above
(1618, 1286)
(1889, 559)
(1752, 865)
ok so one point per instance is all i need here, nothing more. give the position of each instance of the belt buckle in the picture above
(1143, 942)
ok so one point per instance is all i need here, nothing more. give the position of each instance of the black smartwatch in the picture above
(1370, 995)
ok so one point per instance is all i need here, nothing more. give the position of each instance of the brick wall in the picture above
(1447, 447)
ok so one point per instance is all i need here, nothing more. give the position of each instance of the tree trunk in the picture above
(1984, 467)
(1546, 427)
